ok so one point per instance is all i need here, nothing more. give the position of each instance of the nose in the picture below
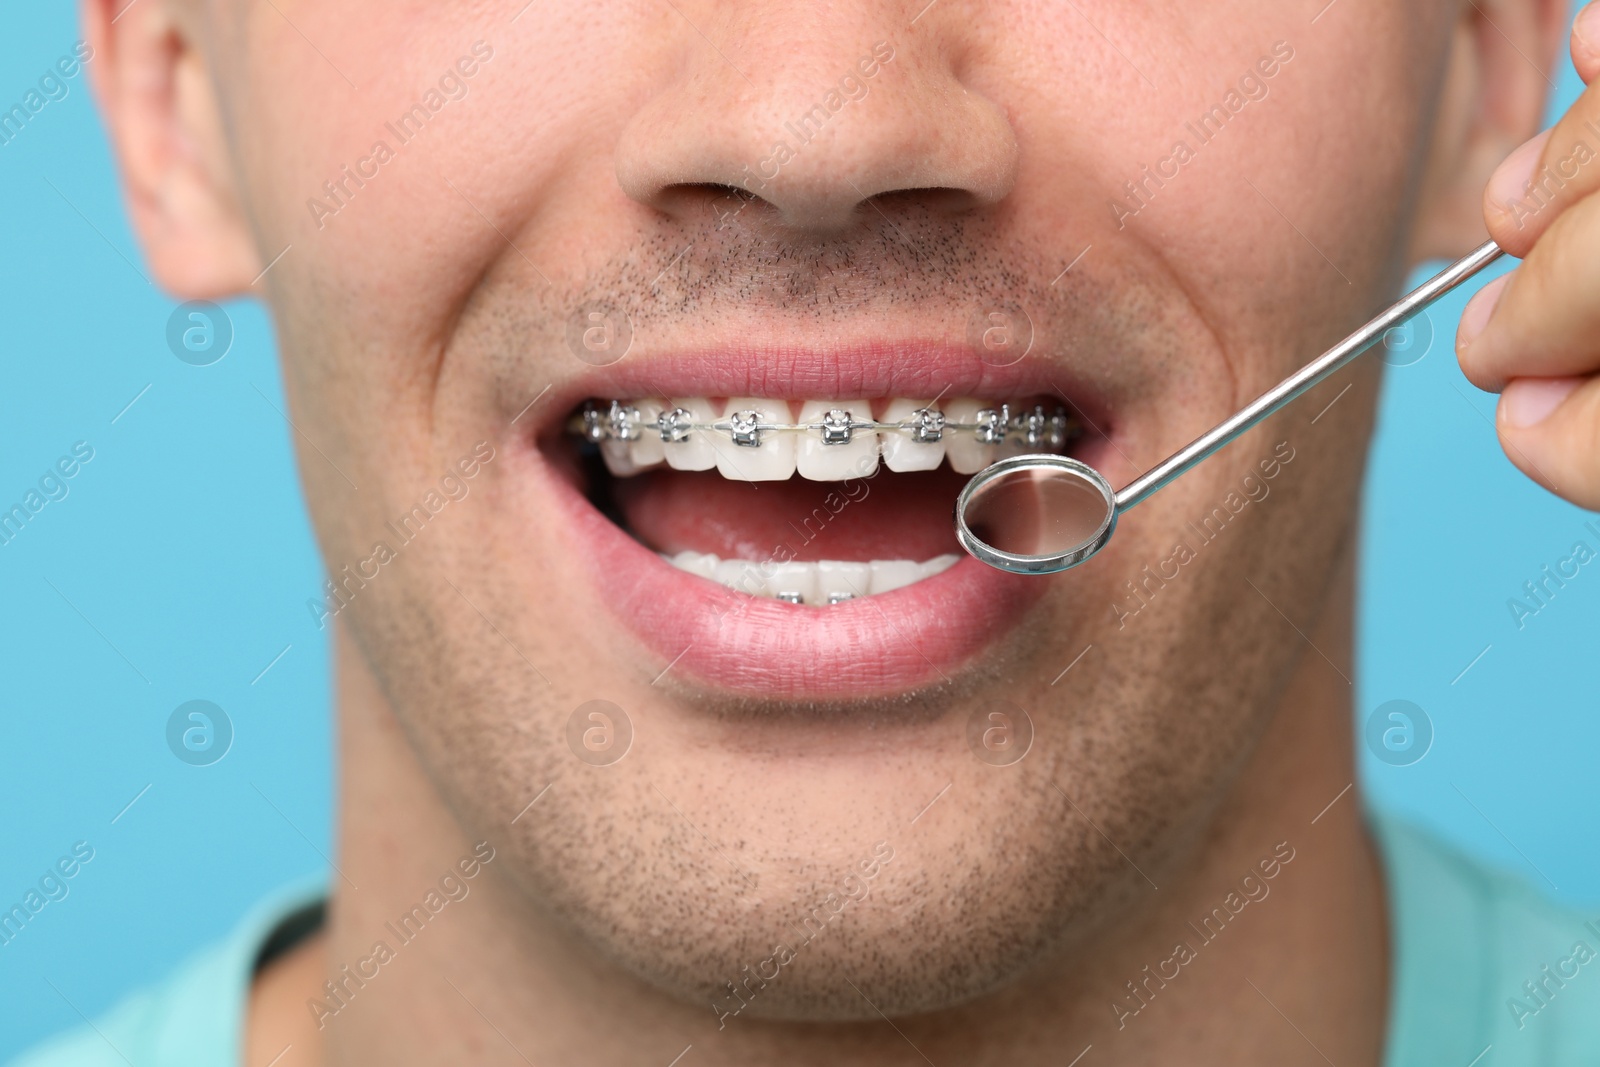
(815, 111)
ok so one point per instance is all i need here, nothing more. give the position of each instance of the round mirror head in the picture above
(1035, 514)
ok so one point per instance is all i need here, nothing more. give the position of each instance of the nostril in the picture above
(723, 203)
(715, 189)
(939, 199)
(726, 204)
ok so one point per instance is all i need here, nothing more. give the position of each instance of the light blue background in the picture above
(185, 548)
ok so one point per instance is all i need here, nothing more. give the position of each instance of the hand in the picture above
(1534, 334)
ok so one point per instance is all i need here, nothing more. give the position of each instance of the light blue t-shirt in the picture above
(1487, 973)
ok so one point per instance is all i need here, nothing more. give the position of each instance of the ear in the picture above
(161, 110)
(1502, 69)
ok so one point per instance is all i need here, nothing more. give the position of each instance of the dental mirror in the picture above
(1039, 514)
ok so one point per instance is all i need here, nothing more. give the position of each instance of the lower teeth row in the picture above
(819, 583)
(1037, 426)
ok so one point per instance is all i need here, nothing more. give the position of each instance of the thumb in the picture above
(1550, 429)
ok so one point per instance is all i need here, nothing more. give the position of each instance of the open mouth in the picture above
(808, 502)
(800, 545)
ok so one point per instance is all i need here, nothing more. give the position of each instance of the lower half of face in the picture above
(657, 474)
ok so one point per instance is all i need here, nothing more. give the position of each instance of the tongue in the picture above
(889, 516)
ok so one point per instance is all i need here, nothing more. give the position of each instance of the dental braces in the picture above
(797, 598)
(1035, 427)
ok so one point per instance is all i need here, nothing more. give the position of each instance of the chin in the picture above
(919, 921)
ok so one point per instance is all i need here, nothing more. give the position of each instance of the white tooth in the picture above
(772, 460)
(702, 563)
(967, 455)
(618, 460)
(891, 574)
(813, 581)
(645, 450)
(822, 462)
(845, 578)
(741, 575)
(900, 452)
(696, 453)
(796, 578)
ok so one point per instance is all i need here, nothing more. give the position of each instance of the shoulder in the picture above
(1482, 959)
(193, 1017)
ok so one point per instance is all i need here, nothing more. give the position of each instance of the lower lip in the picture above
(912, 638)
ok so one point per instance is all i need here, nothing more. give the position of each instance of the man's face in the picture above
(525, 177)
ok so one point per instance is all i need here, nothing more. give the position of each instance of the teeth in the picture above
(771, 457)
(823, 457)
(756, 439)
(901, 451)
(842, 580)
(887, 575)
(695, 452)
(741, 574)
(702, 563)
(618, 459)
(646, 450)
(968, 455)
(817, 584)
(622, 425)
(796, 579)
(1034, 429)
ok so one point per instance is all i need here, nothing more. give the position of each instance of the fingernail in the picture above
(1512, 176)
(1586, 27)
(1475, 316)
(1529, 401)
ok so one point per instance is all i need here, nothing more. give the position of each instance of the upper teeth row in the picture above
(838, 426)
(761, 439)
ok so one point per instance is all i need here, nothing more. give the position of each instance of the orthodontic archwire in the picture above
(1035, 426)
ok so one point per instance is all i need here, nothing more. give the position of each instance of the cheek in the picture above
(1287, 224)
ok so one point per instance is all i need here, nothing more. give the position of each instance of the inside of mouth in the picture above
(810, 502)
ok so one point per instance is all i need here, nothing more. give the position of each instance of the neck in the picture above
(1212, 966)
